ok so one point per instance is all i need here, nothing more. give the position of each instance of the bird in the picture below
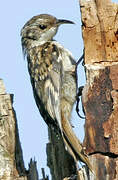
(53, 76)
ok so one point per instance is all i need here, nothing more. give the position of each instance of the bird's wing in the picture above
(50, 71)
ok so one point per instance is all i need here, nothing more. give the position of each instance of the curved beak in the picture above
(63, 21)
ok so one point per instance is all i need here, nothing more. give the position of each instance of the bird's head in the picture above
(42, 28)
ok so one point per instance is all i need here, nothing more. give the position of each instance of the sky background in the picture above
(13, 68)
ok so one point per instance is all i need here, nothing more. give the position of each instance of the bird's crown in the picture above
(42, 27)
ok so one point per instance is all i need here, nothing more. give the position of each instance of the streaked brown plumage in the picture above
(52, 71)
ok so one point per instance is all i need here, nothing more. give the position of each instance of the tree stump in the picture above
(100, 94)
(11, 158)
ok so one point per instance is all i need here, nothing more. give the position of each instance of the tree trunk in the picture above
(11, 158)
(100, 94)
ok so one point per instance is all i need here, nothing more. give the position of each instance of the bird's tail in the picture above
(73, 144)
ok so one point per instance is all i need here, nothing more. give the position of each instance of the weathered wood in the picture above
(60, 162)
(45, 177)
(32, 172)
(8, 169)
(11, 158)
(100, 94)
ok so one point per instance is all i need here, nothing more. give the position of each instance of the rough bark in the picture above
(100, 94)
(11, 158)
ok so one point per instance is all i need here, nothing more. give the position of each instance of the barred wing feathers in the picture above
(46, 71)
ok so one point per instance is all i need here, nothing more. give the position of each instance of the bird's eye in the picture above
(41, 26)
